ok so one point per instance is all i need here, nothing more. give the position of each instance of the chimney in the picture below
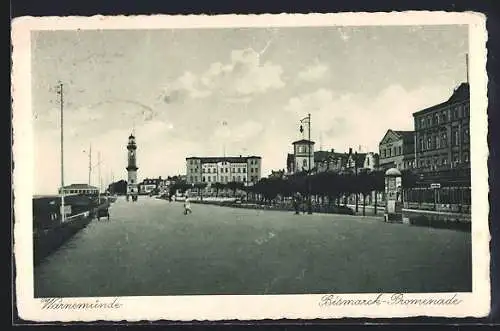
(350, 150)
(333, 150)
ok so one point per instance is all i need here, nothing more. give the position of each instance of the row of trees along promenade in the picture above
(327, 189)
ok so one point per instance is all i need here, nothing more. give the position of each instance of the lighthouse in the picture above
(132, 188)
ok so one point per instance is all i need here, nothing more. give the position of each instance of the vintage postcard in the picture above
(247, 167)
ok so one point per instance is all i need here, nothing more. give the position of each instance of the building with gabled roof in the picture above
(397, 150)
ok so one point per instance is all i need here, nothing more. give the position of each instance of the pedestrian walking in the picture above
(187, 206)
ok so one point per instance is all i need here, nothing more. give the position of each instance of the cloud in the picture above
(349, 120)
(313, 72)
(238, 133)
(243, 77)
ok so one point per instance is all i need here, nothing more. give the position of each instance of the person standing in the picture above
(187, 206)
(296, 201)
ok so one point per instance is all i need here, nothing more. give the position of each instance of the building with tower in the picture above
(303, 156)
(132, 187)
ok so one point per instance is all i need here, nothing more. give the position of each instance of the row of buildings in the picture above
(440, 141)
(437, 151)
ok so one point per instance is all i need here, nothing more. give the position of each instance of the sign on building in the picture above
(435, 185)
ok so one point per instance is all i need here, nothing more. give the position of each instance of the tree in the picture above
(218, 186)
(200, 187)
(378, 185)
(234, 186)
(119, 187)
(365, 186)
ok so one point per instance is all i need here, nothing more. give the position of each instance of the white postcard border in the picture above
(188, 308)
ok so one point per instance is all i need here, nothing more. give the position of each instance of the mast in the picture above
(467, 66)
(99, 174)
(90, 164)
(61, 103)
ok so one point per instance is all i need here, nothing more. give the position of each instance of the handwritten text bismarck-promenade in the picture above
(393, 299)
(62, 304)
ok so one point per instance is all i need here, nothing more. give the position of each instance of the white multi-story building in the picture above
(242, 169)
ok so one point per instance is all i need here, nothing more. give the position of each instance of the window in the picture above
(239, 169)
(429, 143)
(444, 139)
(443, 117)
(466, 158)
(466, 135)
(389, 150)
(239, 178)
(436, 119)
(445, 161)
(251, 169)
(456, 138)
(368, 161)
(304, 163)
(421, 143)
(436, 141)
(196, 178)
(399, 150)
(394, 150)
(191, 178)
(203, 178)
(383, 153)
(209, 178)
(422, 123)
(244, 170)
(428, 120)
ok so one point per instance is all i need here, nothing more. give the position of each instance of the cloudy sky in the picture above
(198, 92)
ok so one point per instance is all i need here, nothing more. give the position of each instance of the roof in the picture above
(461, 93)
(406, 135)
(320, 156)
(214, 159)
(80, 186)
(393, 172)
(359, 156)
(303, 141)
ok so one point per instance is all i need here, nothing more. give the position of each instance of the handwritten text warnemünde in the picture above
(394, 299)
(59, 303)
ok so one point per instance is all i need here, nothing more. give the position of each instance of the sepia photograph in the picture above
(264, 158)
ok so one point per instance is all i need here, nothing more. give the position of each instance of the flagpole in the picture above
(467, 66)
(309, 207)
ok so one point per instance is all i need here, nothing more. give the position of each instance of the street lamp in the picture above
(307, 120)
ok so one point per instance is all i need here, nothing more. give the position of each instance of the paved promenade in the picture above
(151, 248)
